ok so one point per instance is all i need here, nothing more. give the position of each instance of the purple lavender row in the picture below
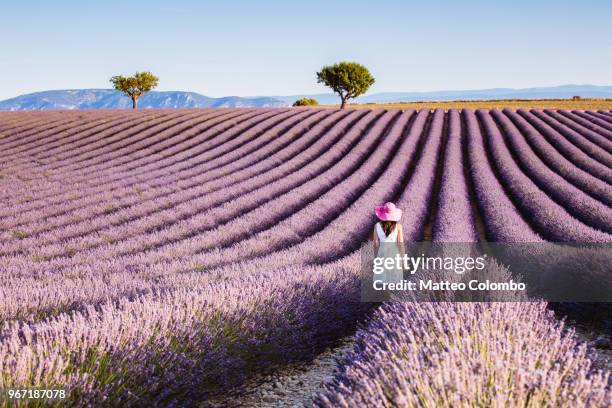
(112, 171)
(544, 123)
(98, 152)
(345, 148)
(118, 159)
(604, 124)
(169, 184)
(109, 143)
(338, 238)
(38, 139)
(344, 234)
(171, 151)
(23, 120)
(26, 120)
(29, 129)
(15, 135)
(145, 159)
(235, 219)
(466, 354)
(328, 195)
(185, 344)
(341, 150)
(19, 118)
(36, 144)
(605, 115)
(209, 151)
(72, 142)
(397, 167)
(61, 138)
(564, 166)
(575, 169)
(503, 221)
(552, 220)
(34, 180)
(98, 182)
(416, 196)
(607, 134)
(90, 186)
(580, 205)
(188, 205)
(376, 373)
(561, 122)
(453, 200)
(15, 120)
(44, 134)
(320, 243)
(454, 217)
(29, 174)
(578, 157)
(111, 134)
(589, 164)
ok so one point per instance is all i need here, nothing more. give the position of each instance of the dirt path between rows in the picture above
(292, 386)
(599, 342)
(295, 385)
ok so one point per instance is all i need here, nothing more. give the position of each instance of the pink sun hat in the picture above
(388, 212)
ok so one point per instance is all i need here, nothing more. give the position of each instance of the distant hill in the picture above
(110, 99)
(552, 92)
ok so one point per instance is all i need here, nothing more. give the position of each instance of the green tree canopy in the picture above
(135, 86)
(347, 79)
(306, 102)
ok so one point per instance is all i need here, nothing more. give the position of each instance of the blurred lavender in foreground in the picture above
(467, 355)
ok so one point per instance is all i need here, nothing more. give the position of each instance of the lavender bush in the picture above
(466, 355)
(575, 201)
(580, 140)
(582, 127)
(594, 118)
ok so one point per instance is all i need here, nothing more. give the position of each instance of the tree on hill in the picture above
(135, 86)
(347, 79)
(306, 102)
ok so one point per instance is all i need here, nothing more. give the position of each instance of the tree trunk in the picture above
(343, 104)
(134, 102)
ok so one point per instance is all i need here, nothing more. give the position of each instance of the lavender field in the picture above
(164, 257)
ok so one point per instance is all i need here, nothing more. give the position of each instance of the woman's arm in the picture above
(400, 240)
(374, 238)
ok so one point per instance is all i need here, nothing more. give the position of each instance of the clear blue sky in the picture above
(275, 47)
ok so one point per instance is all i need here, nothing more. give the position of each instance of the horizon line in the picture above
(316, 93)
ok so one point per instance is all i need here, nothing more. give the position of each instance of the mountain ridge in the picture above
(111, 99)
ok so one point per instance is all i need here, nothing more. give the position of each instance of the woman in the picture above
(388, 240)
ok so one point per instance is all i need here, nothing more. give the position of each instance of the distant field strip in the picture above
(583, 104)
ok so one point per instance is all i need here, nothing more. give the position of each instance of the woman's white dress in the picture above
(388, 249)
